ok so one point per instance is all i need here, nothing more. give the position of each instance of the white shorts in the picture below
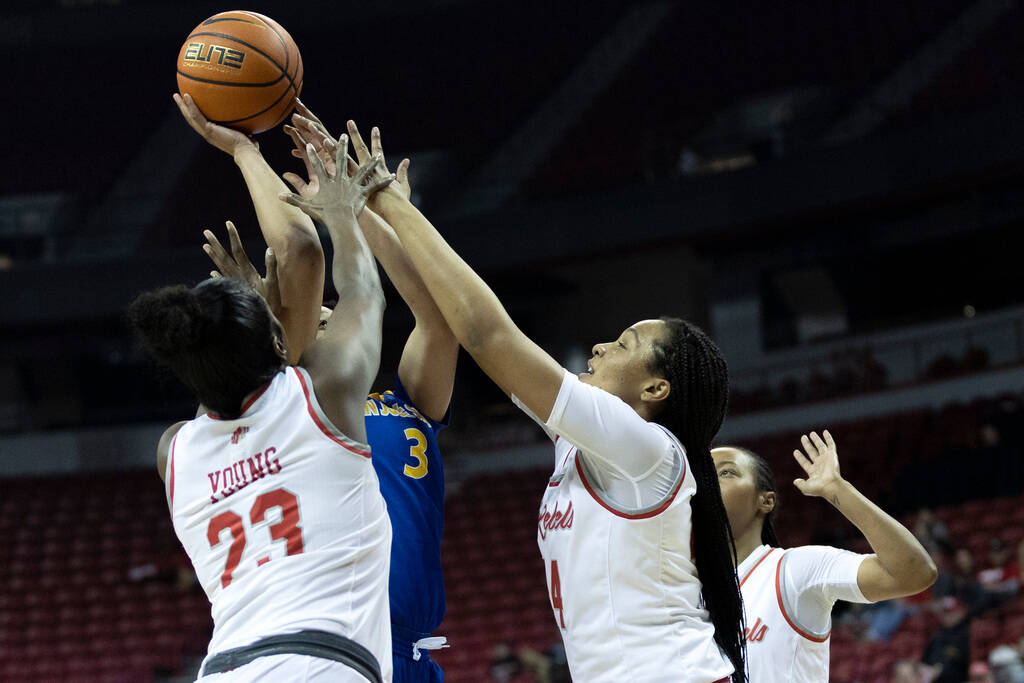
(289, 669)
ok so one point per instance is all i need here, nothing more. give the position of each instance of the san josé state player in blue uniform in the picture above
(402, 425)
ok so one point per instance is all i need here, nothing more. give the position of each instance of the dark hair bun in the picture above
(170, 320)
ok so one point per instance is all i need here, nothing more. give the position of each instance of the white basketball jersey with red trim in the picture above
(283, 520)
(777, 649)
(623, 586)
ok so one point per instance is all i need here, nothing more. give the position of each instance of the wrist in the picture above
(835, 490)
(388, 200)
(245, 152)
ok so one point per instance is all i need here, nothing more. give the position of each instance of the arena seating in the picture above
(68, 610)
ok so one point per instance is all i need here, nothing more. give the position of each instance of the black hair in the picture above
(764, 482)
(218, 338)
(693, 411)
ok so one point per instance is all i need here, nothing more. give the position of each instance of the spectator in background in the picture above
(949, 648)
(550, 666)
(931, 532)
(1000, 580)
(1007, 665)
(980, 673)
(960, 582)
(505, 666)
(909, 671)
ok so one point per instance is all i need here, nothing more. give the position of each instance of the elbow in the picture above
(922, 578)
(480, 342)
(929, 574)
(303, 248)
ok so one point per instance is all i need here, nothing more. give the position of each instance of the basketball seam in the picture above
(283, 70)
(214, 21)
(259, 113)
(237, 85)
(287, 53)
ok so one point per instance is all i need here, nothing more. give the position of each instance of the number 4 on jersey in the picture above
(556, 593)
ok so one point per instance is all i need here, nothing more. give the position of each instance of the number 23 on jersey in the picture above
(287, 529)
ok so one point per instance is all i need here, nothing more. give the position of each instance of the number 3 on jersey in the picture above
(287, 529)
(556, 593)
(417, 450)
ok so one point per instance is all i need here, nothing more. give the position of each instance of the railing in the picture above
(882, 361)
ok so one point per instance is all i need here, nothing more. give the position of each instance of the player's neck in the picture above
(747, 542)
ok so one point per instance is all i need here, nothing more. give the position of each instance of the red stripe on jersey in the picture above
(763, 558)
(644, 515)
(321, 425)
(782, 608)
(173, 442)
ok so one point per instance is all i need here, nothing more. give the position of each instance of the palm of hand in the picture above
(820, 461)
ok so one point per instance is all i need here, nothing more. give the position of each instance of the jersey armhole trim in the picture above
(754, 568)
(321, 421)
(785, 615)
(170, 474)
(642, 514)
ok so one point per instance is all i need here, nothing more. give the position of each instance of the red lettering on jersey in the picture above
(256, 467)
(239, 470)
(224, 475)
(554, 519)
(276, 462)
(237, 435)
(753, 634)
(214, 479)
(230, 480)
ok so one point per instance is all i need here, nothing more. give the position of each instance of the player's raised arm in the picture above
(474, 313)
(427, 367)
(344, 362)
(287, 231)
(900, 566)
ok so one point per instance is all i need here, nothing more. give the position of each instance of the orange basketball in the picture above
(242, 69)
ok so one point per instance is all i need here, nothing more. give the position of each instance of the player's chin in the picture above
(586, 377)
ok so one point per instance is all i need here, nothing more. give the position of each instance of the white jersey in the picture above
(282, 517)
(621, 580)
(787, 600)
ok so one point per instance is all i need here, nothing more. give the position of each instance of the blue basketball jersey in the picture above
(408, 463)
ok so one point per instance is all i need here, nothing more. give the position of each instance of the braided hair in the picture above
(693, 411)
(218, 338)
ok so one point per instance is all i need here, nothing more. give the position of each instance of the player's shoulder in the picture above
(164, 446)
(813, 553)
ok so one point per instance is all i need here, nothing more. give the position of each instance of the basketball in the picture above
(242, 69)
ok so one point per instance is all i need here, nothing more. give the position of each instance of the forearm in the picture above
(898, 552)
(292, 236)
(388, 250)
(473, 312)
(286, 229)
(353, 269)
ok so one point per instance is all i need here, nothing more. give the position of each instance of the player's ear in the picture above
(655, 389)
(766, 501)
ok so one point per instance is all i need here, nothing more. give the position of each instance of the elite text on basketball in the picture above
(226, 56)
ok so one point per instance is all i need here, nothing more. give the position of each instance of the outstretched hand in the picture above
(335, 193)
(237, 265)
(307, 128)
(223, 138)
(820, 461)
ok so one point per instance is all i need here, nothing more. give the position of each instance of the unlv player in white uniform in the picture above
(271, 489)
(628, 495)
(788, 593)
